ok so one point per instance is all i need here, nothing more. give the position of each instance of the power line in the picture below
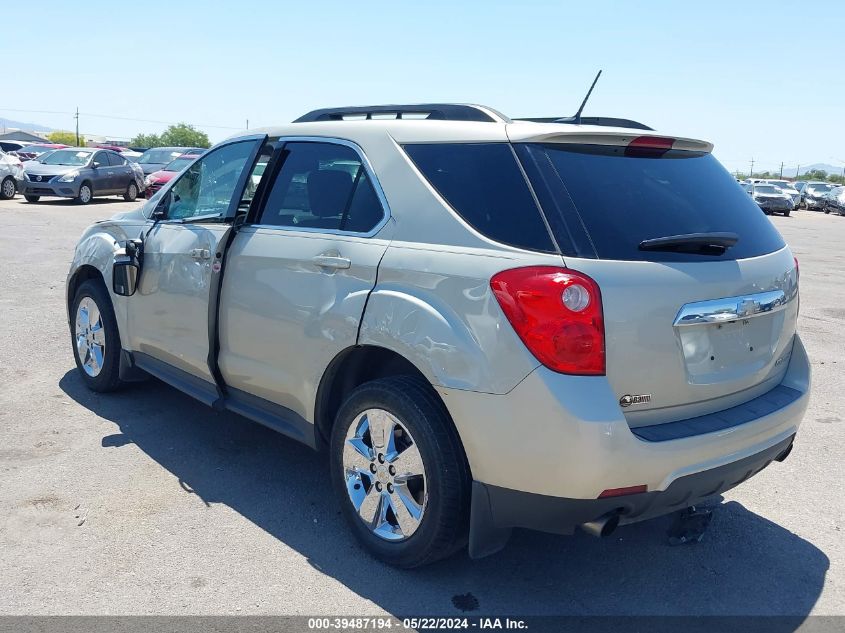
(118, 118)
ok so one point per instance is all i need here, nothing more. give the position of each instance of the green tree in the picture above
(146, 140)
(65, 138)
(184, 135)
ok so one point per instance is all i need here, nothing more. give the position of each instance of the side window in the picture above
(116, 160)
(322, 186)
(483, 184)
(207, 186)
(102, 158)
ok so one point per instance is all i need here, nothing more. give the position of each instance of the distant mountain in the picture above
(830, 169)
(20, 125)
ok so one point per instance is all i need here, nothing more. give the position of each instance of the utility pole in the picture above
(247, 124)
(76, 116)
(781, 170)
(751, 175)
(798, 171)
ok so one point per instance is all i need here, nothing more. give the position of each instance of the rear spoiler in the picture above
(519, 133)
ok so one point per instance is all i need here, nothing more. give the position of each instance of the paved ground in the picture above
(148, 502)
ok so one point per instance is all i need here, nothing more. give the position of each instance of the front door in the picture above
(299, 274)
(168, 317)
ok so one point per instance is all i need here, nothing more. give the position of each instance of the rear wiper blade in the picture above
(704, 243)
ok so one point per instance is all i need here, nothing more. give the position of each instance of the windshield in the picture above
(67, 157)
(819, 188)
(781, 183)
(766, 189)
(162, 156)
(179, 164)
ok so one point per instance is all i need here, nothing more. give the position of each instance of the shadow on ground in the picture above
(745, 565)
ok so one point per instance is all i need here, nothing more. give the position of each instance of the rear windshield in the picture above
(602, 203)
(153, 156)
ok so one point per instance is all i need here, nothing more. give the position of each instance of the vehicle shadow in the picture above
(745, 564)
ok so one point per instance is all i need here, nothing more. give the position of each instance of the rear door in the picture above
(122, 172)
(169, 314)
(299, 274)
(694, 329)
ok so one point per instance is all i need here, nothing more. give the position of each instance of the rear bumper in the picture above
(566, 438)
(495, 510)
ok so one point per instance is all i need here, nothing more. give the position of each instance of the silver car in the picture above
(81, 173)
(486, 323)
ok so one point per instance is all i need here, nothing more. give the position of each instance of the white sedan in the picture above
(11, 170)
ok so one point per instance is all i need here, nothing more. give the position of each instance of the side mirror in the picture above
(124, 277)
(126, 269)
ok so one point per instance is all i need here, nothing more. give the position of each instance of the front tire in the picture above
(32, 198)
(95, 338)
(131, 193)
(786, 214)
(86, 193)
(8, 188)
(400, 473)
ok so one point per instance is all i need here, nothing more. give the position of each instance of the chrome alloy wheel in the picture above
(8, 188)
(385, 475)
(90, 337)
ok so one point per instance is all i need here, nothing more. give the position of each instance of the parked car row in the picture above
(782, 196)
(82, 173)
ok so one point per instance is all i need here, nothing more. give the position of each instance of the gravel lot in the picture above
(147, 502)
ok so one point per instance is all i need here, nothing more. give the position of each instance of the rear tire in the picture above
(8, 188)
(131, 193)
(95, 338)
(431, 496)
(786, 214)
(86, 193)
(32, 198)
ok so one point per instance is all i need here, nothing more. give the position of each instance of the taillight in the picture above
(649, 146)
(557, 313)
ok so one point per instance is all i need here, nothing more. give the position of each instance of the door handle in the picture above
(332, 261)
(201, 253)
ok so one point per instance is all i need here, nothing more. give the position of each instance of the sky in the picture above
(761, 80)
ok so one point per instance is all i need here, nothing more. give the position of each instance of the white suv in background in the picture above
(488, 323)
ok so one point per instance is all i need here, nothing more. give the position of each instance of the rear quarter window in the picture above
(617, 201)
(483, 183)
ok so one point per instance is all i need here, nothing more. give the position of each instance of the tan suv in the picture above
(489, 323)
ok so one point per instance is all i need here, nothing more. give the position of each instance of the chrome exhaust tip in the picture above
(602, 526)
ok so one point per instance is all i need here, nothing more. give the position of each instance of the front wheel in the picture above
(85, 193)
(8, 188)
(131, 192)
(32, 198)
(96, 341)
(399, 471)
(786, 214)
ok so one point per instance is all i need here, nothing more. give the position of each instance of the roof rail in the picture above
(437, 111)
(604, 121)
